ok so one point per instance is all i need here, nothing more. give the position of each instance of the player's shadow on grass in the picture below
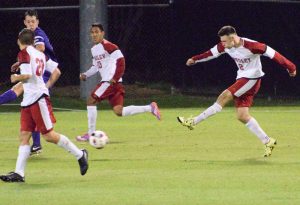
(116, 142)
(258, 161)
(116, 160)
(33, 186)
(250, 161)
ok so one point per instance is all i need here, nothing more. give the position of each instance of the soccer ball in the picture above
(98, 139)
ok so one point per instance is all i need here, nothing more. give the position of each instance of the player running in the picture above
(36, 108)
(246, 54)
(109, 61)
(42, 43)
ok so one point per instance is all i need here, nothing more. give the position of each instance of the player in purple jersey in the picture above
(42, 43)
(41, 40)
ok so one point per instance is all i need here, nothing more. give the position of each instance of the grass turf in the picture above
(152, 162)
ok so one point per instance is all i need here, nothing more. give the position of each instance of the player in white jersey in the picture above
(246, 54)
(109, 61)
(36, 107)
(42, 43)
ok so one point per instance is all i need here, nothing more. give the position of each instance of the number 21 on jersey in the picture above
(40, 66)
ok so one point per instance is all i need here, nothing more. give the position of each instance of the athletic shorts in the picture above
(244, 90)
(38, 115)
(114, 93)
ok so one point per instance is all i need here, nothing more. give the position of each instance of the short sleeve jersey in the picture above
(33, 62)
(42, 38)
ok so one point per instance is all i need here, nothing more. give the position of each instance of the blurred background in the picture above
(158, 36)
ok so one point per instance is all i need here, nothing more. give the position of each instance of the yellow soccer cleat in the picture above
(269, 147)
(189, 122)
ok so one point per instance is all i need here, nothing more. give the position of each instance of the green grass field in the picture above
(152, 162)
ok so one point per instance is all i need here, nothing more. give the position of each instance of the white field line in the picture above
(176, 110)
(54, 108)
(251, 110)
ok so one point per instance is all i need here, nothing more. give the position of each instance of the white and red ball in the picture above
(98, 139)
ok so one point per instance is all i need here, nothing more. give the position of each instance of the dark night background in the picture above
(157, 41)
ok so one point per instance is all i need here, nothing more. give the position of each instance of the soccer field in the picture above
(152, 162)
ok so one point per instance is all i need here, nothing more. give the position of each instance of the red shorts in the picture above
(114, 93)
(38, 115)
(243, 91)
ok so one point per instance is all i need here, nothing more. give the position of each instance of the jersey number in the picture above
(40, 66)
(99, 64)
(241, 66)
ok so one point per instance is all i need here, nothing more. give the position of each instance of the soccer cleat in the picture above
(189, 122)
(12, 177)
(155, 110)
(83, 138)
(83, 162)
(35, 150)
(269, 147)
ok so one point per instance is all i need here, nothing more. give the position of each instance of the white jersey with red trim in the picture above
(33, 62)
(105, 56)
(246, 57)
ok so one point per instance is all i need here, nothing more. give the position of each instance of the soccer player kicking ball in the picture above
(36, 108)
(246, 54)
(109, 61)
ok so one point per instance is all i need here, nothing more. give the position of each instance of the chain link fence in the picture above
(62, 28)
(157, 40)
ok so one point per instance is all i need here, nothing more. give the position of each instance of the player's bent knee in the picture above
(25, 137)
(118, 113)
(118, 110)
(91, 101)
(224, 98)
(243, 118)
(52, 137)
(226, 95)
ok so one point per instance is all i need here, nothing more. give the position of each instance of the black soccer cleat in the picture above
(83, 162)
(12, 177)
(35, 150)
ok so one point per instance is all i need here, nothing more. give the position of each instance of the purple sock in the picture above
(36, 138)
(8, 96)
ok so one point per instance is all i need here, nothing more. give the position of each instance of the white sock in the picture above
(65, 143)
(254, 127)
(132, 109)
(215, 108)
(24, 153)
(92, 118)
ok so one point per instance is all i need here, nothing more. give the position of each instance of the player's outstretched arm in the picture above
(190, 62)
(285, 63)
(214, 52)
(293, 74)
(278, 58)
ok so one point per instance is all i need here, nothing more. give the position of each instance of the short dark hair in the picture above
(99, 25)
(31, 12)
(26, 37)
(226, 31)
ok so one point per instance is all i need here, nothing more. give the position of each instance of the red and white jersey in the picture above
(247, 57)
(33, 62)
(108, 60)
